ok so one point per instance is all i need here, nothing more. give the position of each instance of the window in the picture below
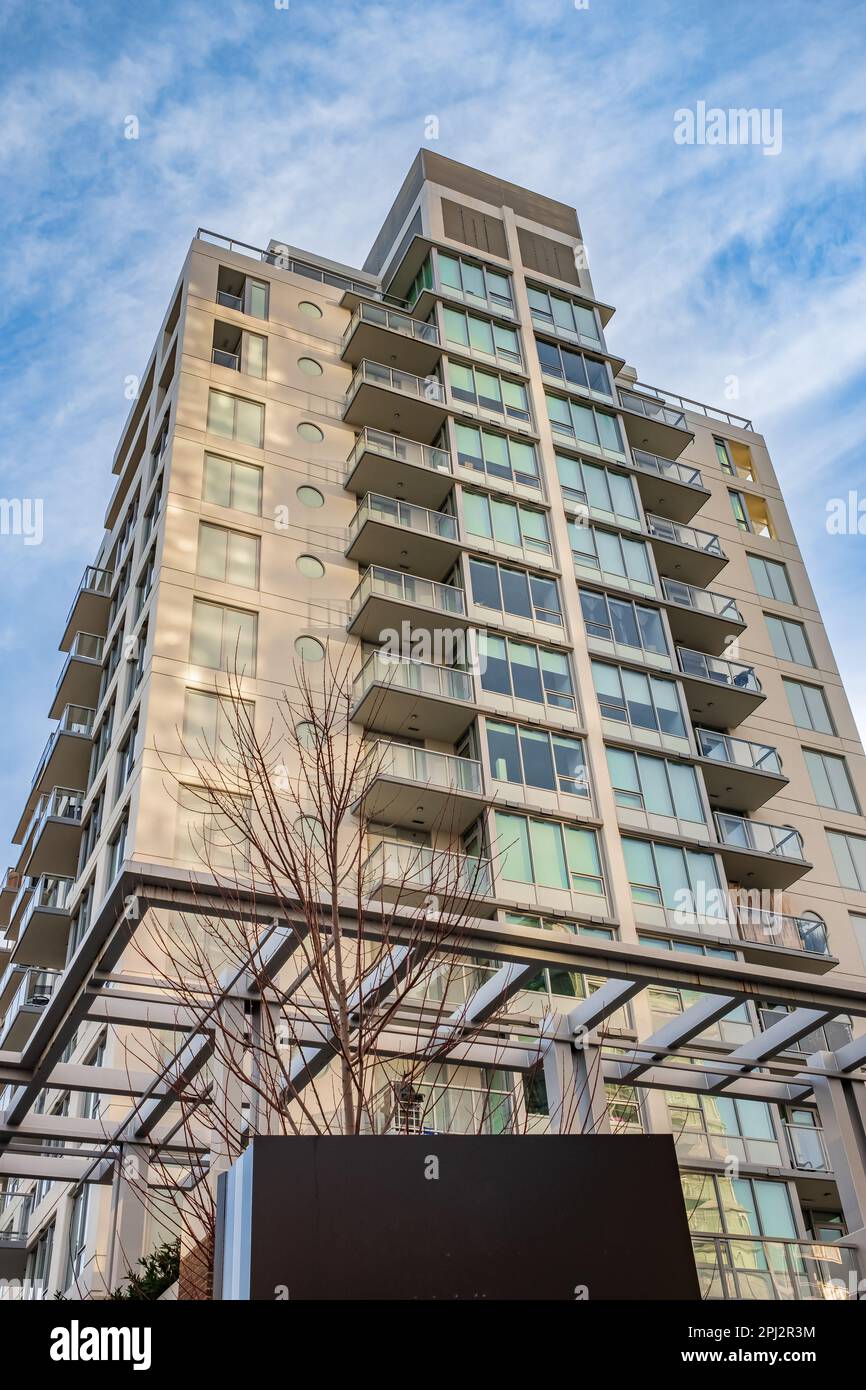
(809, 708)
(630, 697)
(92, 1102)
(506, 523)
(310, 497)
(101, 743)
(309, 649)
(624, 622)
(655, 785)
(789, 640)
(472, 281)
(488, 391)
(229, 483)
(223, 638)
(734, 458)
(136, 656)
(858, 923)
(109, 666)
(236, 418)
(117, 848)
(145, 583)
(612, 556)
(831, 781)
(582, 373)
(752, 514)
(564, 315)
(738, 1206)
(481, 335)
(548, 854)
(90, 831)
(681, 880)
(212, 724)
(849, 854)
(77, 1235)
(771, 579)
(497, 455)
(126, 756)
(307, 430)
(535, 758)
(311, 310)
(584, 424)
(524, 671)
(514, 591)
(229, 556)
(718, 1126)
(207, 834)
(606, 494)
(255, 354)
(39, 1265)
(152, 512)
(80, 921)
(310, 566)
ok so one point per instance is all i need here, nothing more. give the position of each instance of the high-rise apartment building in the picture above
(650, 753)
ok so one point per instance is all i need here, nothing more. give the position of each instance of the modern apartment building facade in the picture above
(653, 755)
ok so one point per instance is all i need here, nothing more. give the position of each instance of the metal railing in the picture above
(25, 887)
(371, 441)
(394, 321)
(428, 388)
(701, 600)
(50, 891)
(751, 1267)
(667, 468)
(445, 770)
(686, 403)
(763, 927)
(757, 835)
(94, 581)
(375, 507)
(62, 803)
(229, 301)
(15, 1209)
(35, 991)
(738, 752)
(665, 530)
(829, 1037)
(282, 256)
(223, 358)
(716, 668)
(75, 719)
(652, 409)
(447, 1109)
(401, 673)
(806, 1147)
(407, 588)
(439, 872)
(85, 645)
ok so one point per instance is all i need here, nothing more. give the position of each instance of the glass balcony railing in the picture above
(407, 588)
(763, 927)
(94, 581)
(806, 1147)
(652, 409)
(828, 1038)
(744, 1267)
(84, 644)
(716, 668)
(394, 322)
(422, 765)
(392, 446)
(418, 867)
(665, 530)
(667, 468)
(401, 673)
(223, 358)
(374, 374)
(229, 301)
(75, 719)
(15, 1209)
(374, 507)
(34, 991)
(49, 891)
(62, 803)
(701, 600)
(738, 752)
(757, 835)
(25, 887)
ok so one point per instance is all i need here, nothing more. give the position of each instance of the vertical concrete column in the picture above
(128, 1213)
(574, 1079)
(842, 1111)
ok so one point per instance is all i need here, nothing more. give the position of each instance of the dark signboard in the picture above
(455, 1217)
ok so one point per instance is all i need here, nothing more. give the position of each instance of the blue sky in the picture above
(300, 123)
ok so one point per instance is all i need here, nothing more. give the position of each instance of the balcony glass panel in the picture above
(407, 588)
(740, 833)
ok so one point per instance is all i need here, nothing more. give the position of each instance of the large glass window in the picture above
(564, 315)
(752, 514)
(630, 697)
(535, 758)
(506, 523)
(548, 854)
(236, 418)
(611, 555)
(771, 579)
(681, 880)
(211, 836)
(809, 708)
(849, 854)
(229, 556)
(488, 390)
(481, 335)
(656, 785)
(789, 640)
(583, 373)
(474, 281)
(230, 483)
(601, 490)
(515, 591)
(215, 726)
(497, 455)
(77, 1235)
(223, 638)
(738, 1206)
(584, 424)
(622, 621)
(831, 781)
(525, 671)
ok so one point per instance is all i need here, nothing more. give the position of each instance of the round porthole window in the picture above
(309, 366)
(310, 497)
(311, 310)
(307, 430)
(309, 649)
(310, 567)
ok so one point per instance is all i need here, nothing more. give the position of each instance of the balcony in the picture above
(410, 875)
(421, 789)
(52, 838)
(667, 487)
(14, 1225)
(89, 611)
(701, 618)
(765, 933)
(64, 761)
(385, 599)
(403, 468)
(33, 992)
(9, 890)
(78, 682)
(384, 335)
(19, 904)
(738, 774)
(396, 401)
(769, 855)
(43, 934)
(684, 552)
(654, 426)
(402, 536)
(724, 692)
(395, 695)
(746, 1267)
